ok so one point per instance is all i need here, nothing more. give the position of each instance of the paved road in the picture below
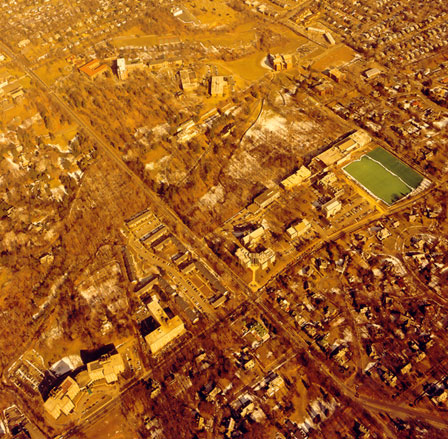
(104, 409)
(375, 404)
(176, 275)
(400, 411)
(175, 222)
(158, 206)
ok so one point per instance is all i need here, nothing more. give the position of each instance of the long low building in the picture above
(342, 150)
(296, 179)
(145, 216)
(266, 198)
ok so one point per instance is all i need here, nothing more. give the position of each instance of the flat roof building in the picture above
(108, 367)
(336, 75)
(165, 329)
(332, 208)
(296, 179)
(328, 179)
(93, 68)
(342, 150)
(280, 62)
(217, 86)
(299, 229)
(361, 137)
(329, 38)
(371, 73)
(254, 236)
(267, 197)
(13, 90)
(325, 88)
(121, 69)
(61, 399)
(188, 80)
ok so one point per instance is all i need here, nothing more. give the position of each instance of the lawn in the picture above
(335, 56)
(249, 68)
(384, 175)
(377, 180)
(396, 166)
(138, 41)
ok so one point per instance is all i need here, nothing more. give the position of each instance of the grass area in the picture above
(133, 31)
(143, 40)
(243, 34)
(334, 57)
(408, 175)
(290, 46)
(211, 13)
(51, 72)
(248, 68)
(383, 175)
(113, 426)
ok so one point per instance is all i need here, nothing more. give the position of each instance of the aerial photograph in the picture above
(223, 219)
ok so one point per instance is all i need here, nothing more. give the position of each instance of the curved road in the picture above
(159, 205)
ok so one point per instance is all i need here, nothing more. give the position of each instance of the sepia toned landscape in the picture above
(223, 219)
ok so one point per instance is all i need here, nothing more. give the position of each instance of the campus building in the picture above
(299, 229)
(107, 367)
(161, 328)
(61, 399)
(332, 208)
(218, 86)
(296, 179)
(93, 69)
(342, 150)
(280, 62)
(121, 69)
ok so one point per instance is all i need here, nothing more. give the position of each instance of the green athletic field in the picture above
(383, 175)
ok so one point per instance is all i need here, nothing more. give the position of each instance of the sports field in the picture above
(384, 176)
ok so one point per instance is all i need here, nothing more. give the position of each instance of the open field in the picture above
(113, 425)
(244, 34)
(133, 40)
(51, 72)
(211, 13)
(248, 68)
(383, 175)
(396, 166)
(336, 56)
